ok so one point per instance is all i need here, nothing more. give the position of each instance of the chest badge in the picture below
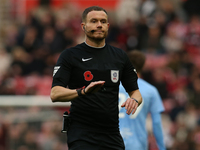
(114, 76)
(88, 76)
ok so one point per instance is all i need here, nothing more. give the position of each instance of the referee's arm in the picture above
(133, 102)
(62, 94)
(136, 95)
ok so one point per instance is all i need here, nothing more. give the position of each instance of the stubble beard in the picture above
(96, 39)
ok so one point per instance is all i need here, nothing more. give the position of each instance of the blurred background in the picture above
(33, 33)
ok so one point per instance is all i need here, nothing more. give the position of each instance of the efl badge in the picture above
(114, 76)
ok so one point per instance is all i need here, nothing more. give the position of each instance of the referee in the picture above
(89, 75)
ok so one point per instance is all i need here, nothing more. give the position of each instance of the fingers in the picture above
(123, 105)
(94, 86)
(130, 105)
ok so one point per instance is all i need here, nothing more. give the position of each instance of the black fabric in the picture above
(79, 139)
(81, 65)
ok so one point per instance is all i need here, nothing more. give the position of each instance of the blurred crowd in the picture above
(167, 31)
(31, 128)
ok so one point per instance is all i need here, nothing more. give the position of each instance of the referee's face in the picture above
(96, 25)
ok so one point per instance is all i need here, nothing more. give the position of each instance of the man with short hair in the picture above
(92, 71)
(133, 128)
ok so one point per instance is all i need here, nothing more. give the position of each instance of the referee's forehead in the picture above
(96, 15)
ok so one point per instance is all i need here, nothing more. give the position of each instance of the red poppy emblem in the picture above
(88, 76)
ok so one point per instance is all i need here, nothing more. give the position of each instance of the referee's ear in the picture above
(83, 26)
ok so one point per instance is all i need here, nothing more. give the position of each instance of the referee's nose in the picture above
(99, 24)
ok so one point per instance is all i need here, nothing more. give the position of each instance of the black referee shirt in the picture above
(82, 64)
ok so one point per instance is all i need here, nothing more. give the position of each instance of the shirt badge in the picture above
(114, 76)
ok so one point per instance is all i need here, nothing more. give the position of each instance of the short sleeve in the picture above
(62, 70)
(129, 76)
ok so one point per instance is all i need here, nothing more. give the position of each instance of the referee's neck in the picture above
(94, 43)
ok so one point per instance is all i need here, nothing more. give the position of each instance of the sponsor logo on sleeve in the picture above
(135, 71)
(55, 69)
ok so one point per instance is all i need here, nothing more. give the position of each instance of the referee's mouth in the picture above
(98, 31)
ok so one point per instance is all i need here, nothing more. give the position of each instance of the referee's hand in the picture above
(94, 87)
(130, 106)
